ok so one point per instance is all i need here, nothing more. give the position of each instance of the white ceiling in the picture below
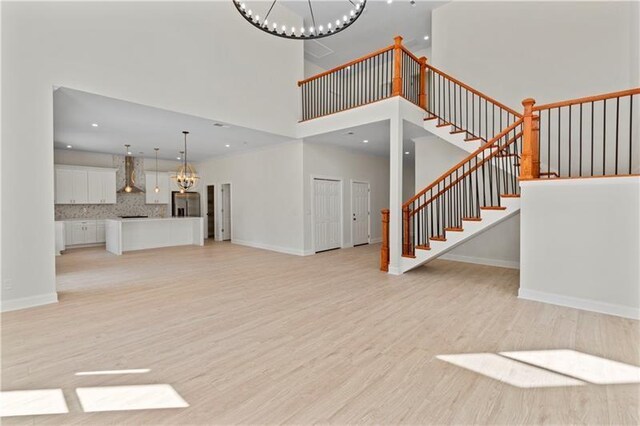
(375, 29)
(120, 122)
(377, 135)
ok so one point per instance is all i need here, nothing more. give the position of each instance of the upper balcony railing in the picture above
(392, 71)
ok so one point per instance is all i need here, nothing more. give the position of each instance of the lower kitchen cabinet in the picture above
(79, 232)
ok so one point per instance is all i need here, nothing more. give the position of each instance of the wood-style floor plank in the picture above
(255, 337)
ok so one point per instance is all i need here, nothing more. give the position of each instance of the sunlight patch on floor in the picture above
(509, 371)
(590, 368)
(32, 402)
(136, 397)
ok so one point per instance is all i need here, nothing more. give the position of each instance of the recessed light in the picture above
(349, 133)
(389, 1)
(94, 124)
(69, 146)
(426, 37)
(365, 141)
(178, 158)
(406, 153)
(225, 126)
(227, 145)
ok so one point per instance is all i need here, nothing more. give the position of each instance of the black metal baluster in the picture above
(617, 132)
(630, 133)
(580, 136)
(604, 136)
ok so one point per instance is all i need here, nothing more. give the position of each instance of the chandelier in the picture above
(186, 177)
(325, 28)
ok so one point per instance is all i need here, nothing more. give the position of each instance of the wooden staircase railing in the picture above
(592, 136)
(391, 71)
(476, 183)
(466, 109)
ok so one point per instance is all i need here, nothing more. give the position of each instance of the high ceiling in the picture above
(375, 29)
(120, 122)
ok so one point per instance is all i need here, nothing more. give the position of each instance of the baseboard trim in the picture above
(579, 303)
(270, 247)
(375, 240)
(28, 302)
(481, 261)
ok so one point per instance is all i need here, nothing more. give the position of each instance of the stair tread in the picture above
(471, 139)
(409, 256)
(510, 195)
(472, 219)
(438, 238)
(454, 229)
(493, 208)
(423, 247)
(430, 118)
(454, 132)
(443, 124)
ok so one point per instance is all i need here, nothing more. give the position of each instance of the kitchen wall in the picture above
(127, 204)
(196, 58)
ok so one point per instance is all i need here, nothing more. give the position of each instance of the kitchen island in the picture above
(138, 234)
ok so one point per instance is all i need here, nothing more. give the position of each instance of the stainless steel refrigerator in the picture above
(185, 204)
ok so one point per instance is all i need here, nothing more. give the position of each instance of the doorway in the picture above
(360, 213)
(327, 214)
(225, 210)
(211, 212)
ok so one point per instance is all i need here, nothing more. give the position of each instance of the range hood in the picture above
(129, 178)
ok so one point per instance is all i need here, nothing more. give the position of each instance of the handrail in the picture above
(477, 92)
(411, 55)
(343, 66)
(587, 99)
(468, 172)
(488, 145)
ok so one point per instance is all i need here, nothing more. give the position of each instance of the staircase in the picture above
(474, 195)
(585, 137)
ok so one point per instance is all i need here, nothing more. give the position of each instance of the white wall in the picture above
(98, 159)
(581, 244)
(311, 69)
(546, 50)
(197, 58)
(266, 195)
(498, 246)
(325, 160)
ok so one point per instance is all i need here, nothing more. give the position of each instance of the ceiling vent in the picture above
(316, 49)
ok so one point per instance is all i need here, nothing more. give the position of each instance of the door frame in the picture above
(352, 181)
(313, 209)
(215, 216)
(221, 215)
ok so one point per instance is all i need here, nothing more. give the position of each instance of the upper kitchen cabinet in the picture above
(101, 186)
(160, 197)
(85, 185)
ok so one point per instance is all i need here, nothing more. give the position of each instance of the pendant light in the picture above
(341, 18)
(156, 189)
(127, 186)
(186, 177)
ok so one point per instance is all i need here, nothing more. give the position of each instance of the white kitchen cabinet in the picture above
(85, 185)
(79, 232)
(71, 186)
(101, 186)
(160, 197)
(100, 233)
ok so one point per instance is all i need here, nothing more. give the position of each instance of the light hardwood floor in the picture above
(251, 336)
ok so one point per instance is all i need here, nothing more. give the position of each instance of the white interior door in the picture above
(327, 214)
(225, 205)
(360, 214)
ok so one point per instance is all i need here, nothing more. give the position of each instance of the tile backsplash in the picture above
(126, 204)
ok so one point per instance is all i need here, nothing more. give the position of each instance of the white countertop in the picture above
(151, 219)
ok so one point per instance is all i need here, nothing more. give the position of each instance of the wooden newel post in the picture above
(396, 85)
(423, 83)
(530, 164)
(384, 251)
(406, 246)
